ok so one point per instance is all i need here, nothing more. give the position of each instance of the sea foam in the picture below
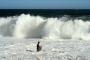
(27, 26)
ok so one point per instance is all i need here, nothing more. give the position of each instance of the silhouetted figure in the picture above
(38, 47)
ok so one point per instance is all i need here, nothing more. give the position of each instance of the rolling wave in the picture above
(27, 26)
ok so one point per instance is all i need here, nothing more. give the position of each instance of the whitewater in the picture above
(62, 38)
(26, 26)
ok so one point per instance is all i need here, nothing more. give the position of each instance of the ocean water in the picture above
(63, 37)
(27, 26)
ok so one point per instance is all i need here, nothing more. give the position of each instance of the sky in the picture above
(44, 4)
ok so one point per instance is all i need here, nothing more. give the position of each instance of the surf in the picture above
(27, 26)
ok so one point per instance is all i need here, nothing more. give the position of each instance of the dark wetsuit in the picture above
(38, 47)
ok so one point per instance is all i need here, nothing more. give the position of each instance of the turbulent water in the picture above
(27, 26)
(20, 34)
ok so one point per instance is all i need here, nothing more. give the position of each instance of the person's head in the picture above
(38, 42)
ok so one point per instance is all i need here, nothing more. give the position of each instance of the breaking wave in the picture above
(27, 26)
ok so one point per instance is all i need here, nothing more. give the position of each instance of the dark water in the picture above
(45, 12)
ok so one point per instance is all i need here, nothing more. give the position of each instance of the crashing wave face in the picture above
(27, 26)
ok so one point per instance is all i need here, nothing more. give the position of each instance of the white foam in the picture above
(27, 26)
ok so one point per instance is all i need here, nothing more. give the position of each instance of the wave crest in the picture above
(27, 26)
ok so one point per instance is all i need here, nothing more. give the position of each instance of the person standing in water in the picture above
(39, 47)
